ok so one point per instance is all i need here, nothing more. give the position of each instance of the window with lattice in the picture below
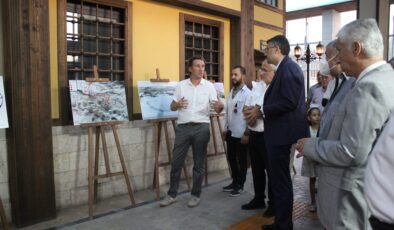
(203, 37)
(273, 3)
(95, 36)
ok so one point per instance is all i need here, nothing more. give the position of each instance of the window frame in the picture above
(65, 116)
(196, 19)
(268, 4)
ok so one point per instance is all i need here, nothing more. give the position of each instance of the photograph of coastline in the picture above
(155, 99)
(98, 101)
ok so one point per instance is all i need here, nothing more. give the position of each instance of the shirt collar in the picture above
(277, 66)
(370, 68)
(241, 89)
(202, 82)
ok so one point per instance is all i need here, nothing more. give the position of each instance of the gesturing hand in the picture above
(182, 104)
(217, 105)
(251, 114)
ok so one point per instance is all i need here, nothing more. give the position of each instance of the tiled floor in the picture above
(216, 211)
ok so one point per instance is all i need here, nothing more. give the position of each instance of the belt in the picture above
(256, 133)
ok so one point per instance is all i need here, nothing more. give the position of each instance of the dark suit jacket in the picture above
(284, 105)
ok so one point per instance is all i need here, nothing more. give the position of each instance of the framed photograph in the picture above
(98, 101)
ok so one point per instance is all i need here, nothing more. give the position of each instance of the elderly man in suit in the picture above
(329, 177)
(355, 126)
(285, 121)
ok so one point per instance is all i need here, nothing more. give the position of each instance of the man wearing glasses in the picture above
(257, 149)
(285, 121)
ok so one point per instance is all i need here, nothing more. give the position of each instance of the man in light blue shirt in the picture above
(236, 138)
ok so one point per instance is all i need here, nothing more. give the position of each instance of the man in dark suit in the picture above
(285, 121)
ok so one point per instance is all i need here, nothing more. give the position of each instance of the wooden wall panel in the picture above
(247, 51)
(30, 154)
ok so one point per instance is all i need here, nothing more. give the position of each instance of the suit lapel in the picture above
(278, 72)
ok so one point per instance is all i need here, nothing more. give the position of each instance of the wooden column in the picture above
(235, 42)
(380, 10)
(247, 50)
(27, 82)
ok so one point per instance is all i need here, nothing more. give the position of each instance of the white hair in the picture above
(365, 31)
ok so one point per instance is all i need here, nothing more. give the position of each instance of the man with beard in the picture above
(236, 133)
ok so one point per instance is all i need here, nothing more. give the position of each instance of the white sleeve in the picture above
(178, 93)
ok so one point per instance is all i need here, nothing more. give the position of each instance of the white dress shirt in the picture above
(256, 97)
(198, 98)
(379, 186)
(276, 68)
(234, 117)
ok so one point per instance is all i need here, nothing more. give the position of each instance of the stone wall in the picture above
(70, 150)
(4, 188)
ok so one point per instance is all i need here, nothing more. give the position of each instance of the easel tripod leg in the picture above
(126, 175)
(90, 170)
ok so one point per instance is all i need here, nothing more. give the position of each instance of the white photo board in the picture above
(156, 98)
(3, 106)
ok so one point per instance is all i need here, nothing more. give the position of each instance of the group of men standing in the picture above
(272, 117)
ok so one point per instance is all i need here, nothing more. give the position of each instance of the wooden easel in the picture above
(158, 127)
(3, 217)
(93, 176)
(212, 118)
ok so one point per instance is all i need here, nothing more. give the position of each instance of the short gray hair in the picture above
(365, 31)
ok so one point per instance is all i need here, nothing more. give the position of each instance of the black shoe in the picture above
(229, 188)
(270, 212)
(268, 226)
(253, 204)
(236, 192)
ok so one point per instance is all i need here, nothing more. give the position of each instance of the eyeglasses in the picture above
(269, 47)
(235, 108)
(332, 58)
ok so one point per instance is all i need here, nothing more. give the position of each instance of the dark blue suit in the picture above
(285, 121)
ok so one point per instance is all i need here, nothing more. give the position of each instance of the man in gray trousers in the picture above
(354, 128)
(329, 177)
(193, 99)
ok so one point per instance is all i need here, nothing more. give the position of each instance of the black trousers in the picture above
(237, 158)
(379, 225)
(258, 162)
(282, 187)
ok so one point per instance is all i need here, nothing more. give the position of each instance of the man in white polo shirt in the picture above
(257, 149)
(193, 98)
